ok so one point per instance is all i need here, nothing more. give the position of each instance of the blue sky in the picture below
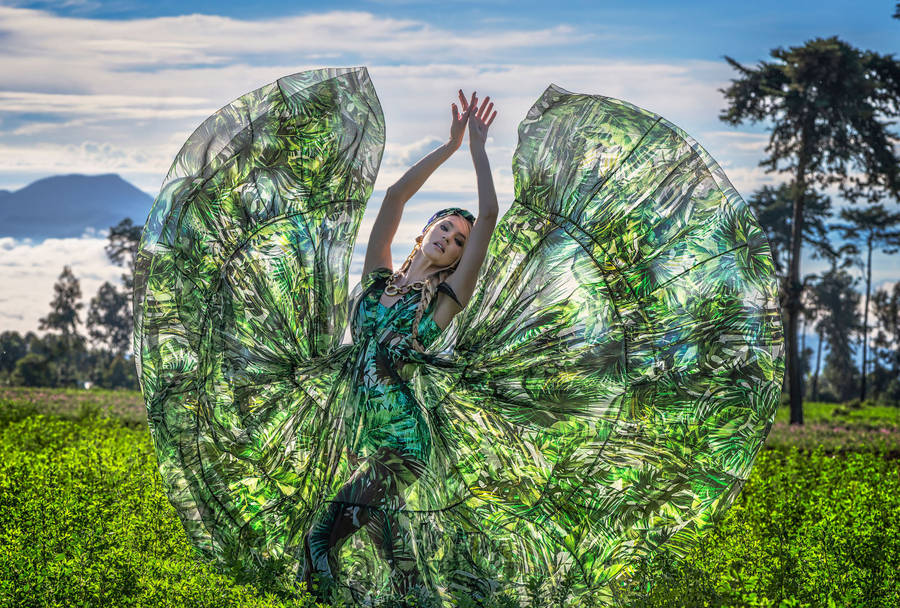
(116, 87)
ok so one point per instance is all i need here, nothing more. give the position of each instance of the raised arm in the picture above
(378, 249)
(464, 278)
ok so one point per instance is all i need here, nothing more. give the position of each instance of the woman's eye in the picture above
(458, 243)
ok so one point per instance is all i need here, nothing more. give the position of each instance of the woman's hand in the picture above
(459, 120)
(478, 128)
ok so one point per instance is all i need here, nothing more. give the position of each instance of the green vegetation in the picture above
(84, 520)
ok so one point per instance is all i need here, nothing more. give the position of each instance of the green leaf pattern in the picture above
(601, 398)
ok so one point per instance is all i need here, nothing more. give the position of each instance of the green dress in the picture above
(599, 402)
(384, 411)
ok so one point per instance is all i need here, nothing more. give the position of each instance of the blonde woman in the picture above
(388, 439)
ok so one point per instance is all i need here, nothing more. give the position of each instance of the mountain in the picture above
(66, 205)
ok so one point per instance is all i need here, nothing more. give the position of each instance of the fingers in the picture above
(462, 100)
(493, 116)
(454, 111)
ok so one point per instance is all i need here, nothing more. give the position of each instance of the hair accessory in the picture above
(449, 211)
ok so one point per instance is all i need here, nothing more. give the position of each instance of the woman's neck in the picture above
(420, 267)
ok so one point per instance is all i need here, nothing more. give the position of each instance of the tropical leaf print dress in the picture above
(599, 401)
(384, 412)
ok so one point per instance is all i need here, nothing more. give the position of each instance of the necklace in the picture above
(393, 290)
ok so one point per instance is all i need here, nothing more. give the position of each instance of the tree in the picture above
(874, 226)
(820, 304)
(886, 307)
(840, 323)
(66, 350)
(34, 370)
(773, 209)
(108, 319)
(825, 100)
(12, 348)
(64, 307)
(124, 239)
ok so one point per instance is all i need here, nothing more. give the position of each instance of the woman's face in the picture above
(443, 243)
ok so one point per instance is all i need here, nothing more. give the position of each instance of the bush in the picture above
(807, 530)
(34, 370)
(108, 536)
(84, 519)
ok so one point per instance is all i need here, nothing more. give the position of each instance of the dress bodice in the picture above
(390, 326)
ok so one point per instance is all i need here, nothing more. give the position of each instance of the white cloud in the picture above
(86, 157)
(28, 272)
(123, 95)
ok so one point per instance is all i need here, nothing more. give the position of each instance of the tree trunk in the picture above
(795, 288)
(862, 390)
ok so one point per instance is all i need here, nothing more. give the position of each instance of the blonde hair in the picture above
(429, 289)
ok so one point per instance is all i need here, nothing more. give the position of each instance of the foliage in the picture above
(109, 319)
(809, 529)
(121, 249)
(107, 537)
(68, 363)
(886, 308)
(815, 525)
(34, 370)
(841, 321)
(12, 348)
(64, 307)
(772, 207)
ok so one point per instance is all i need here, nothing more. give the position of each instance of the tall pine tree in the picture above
(827, 103)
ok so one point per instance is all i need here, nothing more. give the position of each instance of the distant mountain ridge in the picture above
(64, 206)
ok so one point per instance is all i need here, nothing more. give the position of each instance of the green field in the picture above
(84, 520)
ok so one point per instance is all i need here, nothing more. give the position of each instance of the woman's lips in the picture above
(438, 245)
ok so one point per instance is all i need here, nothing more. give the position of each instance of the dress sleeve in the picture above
(373, 275)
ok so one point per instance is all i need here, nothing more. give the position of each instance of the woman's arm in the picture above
(378, 250)
(412, 180)
(463, 279)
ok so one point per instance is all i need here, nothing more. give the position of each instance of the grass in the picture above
(84, 520)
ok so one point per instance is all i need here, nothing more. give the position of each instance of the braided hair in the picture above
(429, 289)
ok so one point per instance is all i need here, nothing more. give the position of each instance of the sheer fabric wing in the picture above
(240, 305)
(605, 392)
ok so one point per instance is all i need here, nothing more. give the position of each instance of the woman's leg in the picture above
(347, 512)
(374, 488)
(387, 532)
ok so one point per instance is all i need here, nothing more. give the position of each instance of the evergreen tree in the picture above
(773, 206)
(108, 319)
(64, 307)
(875, 227)
(65, 350)
(124, 239)
(886, 308)
(839, 304)
(827, 102)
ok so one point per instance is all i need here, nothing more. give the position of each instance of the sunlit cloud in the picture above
(83, 95)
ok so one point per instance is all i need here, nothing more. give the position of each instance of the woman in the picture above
(600, 400)
(388, 439)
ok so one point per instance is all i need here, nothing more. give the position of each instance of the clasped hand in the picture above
(476, 117)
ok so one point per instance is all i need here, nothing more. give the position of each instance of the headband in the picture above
(450, 211)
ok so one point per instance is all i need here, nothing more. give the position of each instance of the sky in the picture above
(117, 87)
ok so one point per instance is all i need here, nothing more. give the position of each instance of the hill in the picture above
(63, 206)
